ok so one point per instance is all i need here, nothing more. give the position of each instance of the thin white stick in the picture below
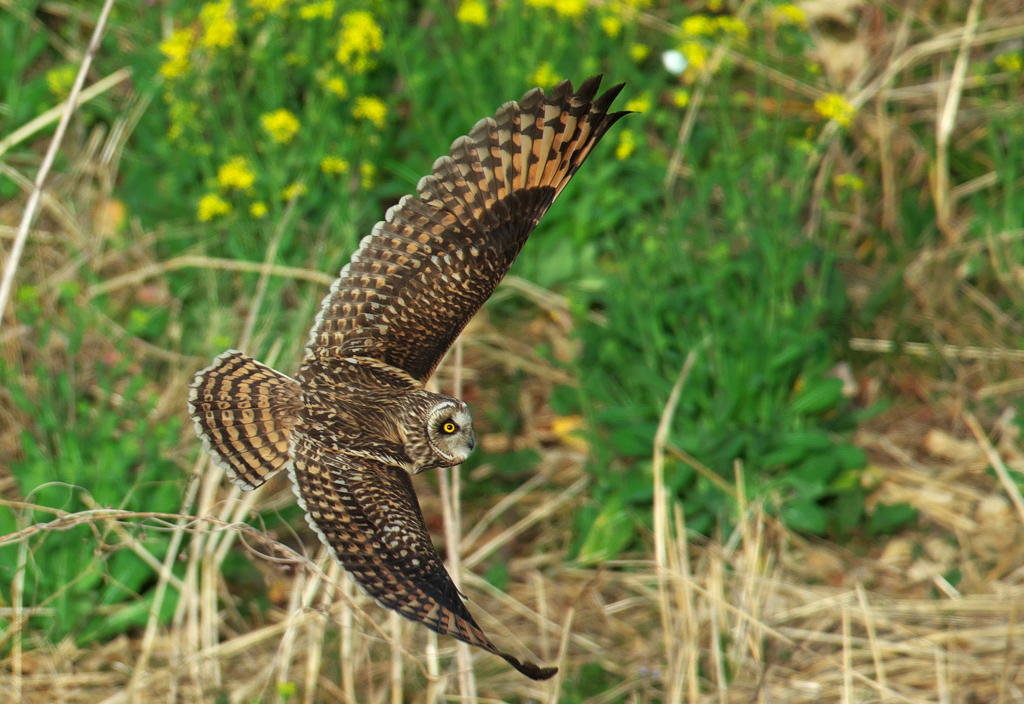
(51, 153)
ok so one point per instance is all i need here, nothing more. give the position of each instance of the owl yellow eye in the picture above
(449, 427)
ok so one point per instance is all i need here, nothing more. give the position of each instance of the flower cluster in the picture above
(472, 12)
(640, 104)
(788, 14)
(361, 37)
(267, 7)
(219, 24)
(60, 80)
(545, 75)
(567, 8)
(211, 206)
(835, 107)
(324, 9)
(334, 165)
(236, 174)
(280, 124)
(627, 145)
(370, 108)
(294, 191)
(176, 48)
(1009, 61)
(854, 183)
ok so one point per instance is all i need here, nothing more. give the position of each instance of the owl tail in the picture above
(244, 412)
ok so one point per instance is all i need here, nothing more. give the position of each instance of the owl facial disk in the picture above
(450, 432)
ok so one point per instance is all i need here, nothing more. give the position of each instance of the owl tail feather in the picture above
(243, 412)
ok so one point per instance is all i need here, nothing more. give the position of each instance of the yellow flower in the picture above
(366, 173)
(270, 7)
(219, 24)
(545, 75)
(681, 98)
(211, 206)
(1007, 61)
(323, 9)
(372, 109)
(835, 107)
(281, 124)
(258, 209)
(788, 14)
(567, 431)
(627, 144)
(333, 165)
(611, 26)
(236, 174)
(731, 25)
(294, 191)
(472, 12)
(696, 55)
(698, 26)
(849, 181)
(360, 37)
(176, 48)
(337, 86)
(570, 8)
(639, 52)
(61, 79)
(641, 104)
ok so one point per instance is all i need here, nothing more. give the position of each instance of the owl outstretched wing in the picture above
(421, 275)
(366, 513)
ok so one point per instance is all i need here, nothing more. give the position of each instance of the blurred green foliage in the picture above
(343, 105)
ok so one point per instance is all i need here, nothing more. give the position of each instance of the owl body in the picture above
(357, 422)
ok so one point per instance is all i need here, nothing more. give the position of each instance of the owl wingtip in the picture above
(531, 670)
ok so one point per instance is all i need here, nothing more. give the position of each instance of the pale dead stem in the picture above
(944, 127)
(14, 257)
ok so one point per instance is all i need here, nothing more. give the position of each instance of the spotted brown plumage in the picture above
(357, 422)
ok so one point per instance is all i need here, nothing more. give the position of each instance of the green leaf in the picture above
(611, 532)
(886, 519)
(806, 516)
(818, 396)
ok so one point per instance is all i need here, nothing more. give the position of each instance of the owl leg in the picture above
(244, 412)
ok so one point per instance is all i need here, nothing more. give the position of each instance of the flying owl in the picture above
(356, 422)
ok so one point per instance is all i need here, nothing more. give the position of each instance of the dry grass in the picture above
(757, 615)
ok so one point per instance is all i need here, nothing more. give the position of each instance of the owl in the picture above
(356, 422)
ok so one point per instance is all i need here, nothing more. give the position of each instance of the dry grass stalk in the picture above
(51, 153)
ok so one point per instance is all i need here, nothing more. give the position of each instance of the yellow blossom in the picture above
(211, 206)
(698, 26)
(1007, 61)
(788, 14)
(337, 86)
(627, 144)
(323, 9)
(333, 165)
(258, 209)
(370, 108)
(360, 37)
(567, 429)
(835, 107)
(696, 55)
(270, 7)
(294, 191)
(366, 173)
(639, 52)
(219, 24)
(60, 80)
(681, 98)
(731, 25)
(176, 48)
(545, 75)
(611, 26)
(472, 12)
(640, 104)
(570, 8)
(849, 181)
(281, 124)
(236, 174)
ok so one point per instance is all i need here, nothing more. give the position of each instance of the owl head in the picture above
(448, 434)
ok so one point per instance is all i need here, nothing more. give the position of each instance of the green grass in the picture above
(720, 263)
